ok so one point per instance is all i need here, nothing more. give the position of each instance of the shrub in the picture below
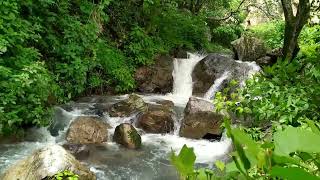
(141, 47)
(225, 34)
(180, 29)
(272, 33)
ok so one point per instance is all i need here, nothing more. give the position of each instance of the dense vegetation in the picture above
(277, 115)
(53, 51)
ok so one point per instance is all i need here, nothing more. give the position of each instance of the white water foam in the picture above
(254, 68)
(210, 94)
(182, 75)
(206, 151)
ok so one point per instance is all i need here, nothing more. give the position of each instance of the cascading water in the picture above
(182, 75)
(216, 86)
(111, 161)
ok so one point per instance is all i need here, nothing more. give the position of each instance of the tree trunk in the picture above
(293, 26)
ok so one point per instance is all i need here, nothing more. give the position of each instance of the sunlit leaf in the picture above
(292, 173)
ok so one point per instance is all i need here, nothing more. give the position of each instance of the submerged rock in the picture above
(126, 135)
(46, 163)
(87, 130)
(156, 78)
(127, 107)
(200, 121)
(248, 48)
(158, 119)
(213, 67)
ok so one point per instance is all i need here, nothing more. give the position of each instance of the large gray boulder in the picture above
(156, 78)
(127, 107)
(248, 48)
(200, 121)
(87, 130)
(158, 118)
(216, 65)
(46, 163)
(126, 135)
(195, 105)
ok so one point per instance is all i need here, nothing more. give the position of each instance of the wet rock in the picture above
(200, 121)
(60, 120)
(158, 119)
(248, 48)
(46, 163)
(195, 105)
(179, 53)
(127, 107)
(87, 130)
(266, 60)
(197, 125)
(79, 151)
(156, 78)
(126, 135)
(214, 66)
(275, 54)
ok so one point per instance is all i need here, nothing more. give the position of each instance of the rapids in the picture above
(111, 161)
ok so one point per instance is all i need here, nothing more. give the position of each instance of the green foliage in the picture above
(64, 175)
(52, 51)
(67, 175)
(310, 41)
(272, 33)
(263, 160)
(287, 93)
(141, 47)
(25, 82)
(225, 34)
(184, 162)
(181, 29)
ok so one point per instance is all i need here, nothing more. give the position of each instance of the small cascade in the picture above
(210, 94)
(111, 161)
(253, 69)
(182, 75)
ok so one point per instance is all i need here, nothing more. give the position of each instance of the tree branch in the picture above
(231, 13)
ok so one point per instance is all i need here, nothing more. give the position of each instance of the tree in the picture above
(294, 25)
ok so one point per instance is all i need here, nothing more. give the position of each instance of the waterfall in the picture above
(210, 94)
(182, 75)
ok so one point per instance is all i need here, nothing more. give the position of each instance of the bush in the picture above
(141, 47)
(181, 29)
(272, 33)
(309, 41)
(225, 34)
(287, 93)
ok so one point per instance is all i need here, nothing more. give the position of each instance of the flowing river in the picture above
(111, 161)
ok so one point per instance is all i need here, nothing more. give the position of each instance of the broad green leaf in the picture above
(231, 167)
(251, 148)
(296, 140)
(292, 173)
(285, 160)
(184, 161)
(313, 127)
(244, 160)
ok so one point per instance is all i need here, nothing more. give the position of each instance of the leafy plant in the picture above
(260, 160)
(64, 175)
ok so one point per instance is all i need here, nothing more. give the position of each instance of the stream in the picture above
(111, 161)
